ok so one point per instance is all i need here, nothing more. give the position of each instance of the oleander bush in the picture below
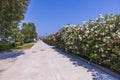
(97, 40)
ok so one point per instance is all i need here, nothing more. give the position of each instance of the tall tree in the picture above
(29, 30)
(11, 12)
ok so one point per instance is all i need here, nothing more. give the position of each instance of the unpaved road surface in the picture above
(44, 62)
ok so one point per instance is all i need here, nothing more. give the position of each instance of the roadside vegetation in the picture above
(25, 46)
(11, 35)
(97, 40)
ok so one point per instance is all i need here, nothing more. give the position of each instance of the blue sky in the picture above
(51, 15)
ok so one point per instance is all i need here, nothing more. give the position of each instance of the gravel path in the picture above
(43, 62)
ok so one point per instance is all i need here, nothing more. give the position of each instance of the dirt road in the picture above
(44, 62)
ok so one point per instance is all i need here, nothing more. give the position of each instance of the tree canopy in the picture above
(29, 30)
(11, 12)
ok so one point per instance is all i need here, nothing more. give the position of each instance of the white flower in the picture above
(87, 45)
(103, 44)
(70, 47)
(104, 40)
(106, 51)
(103, 34)
(87, 31)
(96, 18)
(113, 34)
(84, 22)
(86, 28)
(92, 29)
(108, 48)
(108, 37)
(96, 46)
(106, 30)
(101, 49)
(103, 55)
(95, 26)
(99, 38)
(111, 26)
(92, 22)
(80, 37)
(96, 35)
(101, 16)
(96, 31)
(86, 34)
(75, 47)
(118, 33)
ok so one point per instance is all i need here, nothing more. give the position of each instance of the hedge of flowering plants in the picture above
(97, 40)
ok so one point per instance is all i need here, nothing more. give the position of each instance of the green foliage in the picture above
(18, 43)
(9, 45)
(29, 30)
(11, 13)
(4, 46)
(98, 40)
(17, 35)
(95, 58)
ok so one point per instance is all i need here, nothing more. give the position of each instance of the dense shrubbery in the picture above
(97, 40)
(4, 46)
(18, 44)
(9, 45)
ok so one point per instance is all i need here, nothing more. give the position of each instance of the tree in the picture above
(17, 35)
(29, 30)
(11, 12)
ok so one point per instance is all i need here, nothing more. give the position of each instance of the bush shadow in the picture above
(8, 55)
(77, 61)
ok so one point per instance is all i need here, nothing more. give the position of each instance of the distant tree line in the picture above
(28, 31)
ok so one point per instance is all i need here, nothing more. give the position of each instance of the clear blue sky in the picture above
(51, 15)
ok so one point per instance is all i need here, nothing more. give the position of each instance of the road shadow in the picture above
(97, 73)
(11, 55)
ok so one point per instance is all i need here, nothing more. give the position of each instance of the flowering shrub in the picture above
(50, 39)
(97, 40)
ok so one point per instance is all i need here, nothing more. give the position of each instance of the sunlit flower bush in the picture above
(97, 40)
